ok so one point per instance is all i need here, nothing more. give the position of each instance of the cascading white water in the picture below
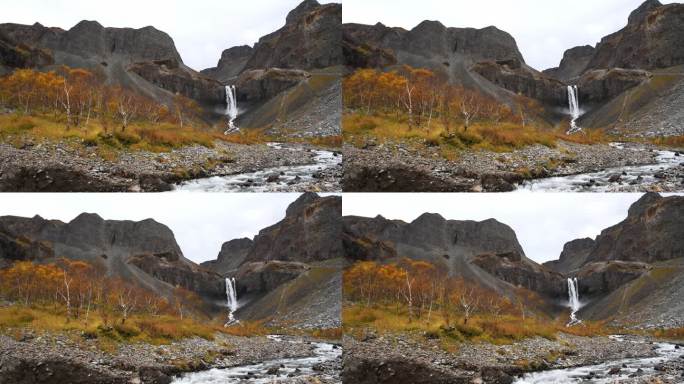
(573, 301)
(573, 104)
(231, 297)
(231, 109)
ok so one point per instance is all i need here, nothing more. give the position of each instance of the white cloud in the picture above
(543, 222)
(543, 29)
(200, 29)
(201, 222)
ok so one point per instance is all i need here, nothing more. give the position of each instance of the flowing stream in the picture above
(288, 177)
(259, 373)
(625, 369)
(629, 176)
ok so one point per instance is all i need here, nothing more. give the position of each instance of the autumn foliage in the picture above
(424, 97)
(421, 290)
(78, 96)
(80, 290)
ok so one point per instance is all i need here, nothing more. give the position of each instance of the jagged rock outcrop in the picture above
(600, 278)
(573, 64)
(309, 232)
(145, 59)
(143, 252)
(601, 85)
(573, 256)
(231, 256)
(263, 277)
(651, 39)
(653, 231)
(310, 39)
(232, 62)
(514, 76)
(511, 268)
(171, 76)
(260, 84)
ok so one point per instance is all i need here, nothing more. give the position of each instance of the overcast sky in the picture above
(201, 222)
(543, 29)
(201, 29)
(543, 222)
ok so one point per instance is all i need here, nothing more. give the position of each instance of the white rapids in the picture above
(231, 109)
(258, 373)
(599, 373)
(289, 177)
(573, 105)
(631, 177)
(573, 301)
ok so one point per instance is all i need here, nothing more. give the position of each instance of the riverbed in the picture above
(314, 176)
(618, 371)
(663, 175)
(323, 364)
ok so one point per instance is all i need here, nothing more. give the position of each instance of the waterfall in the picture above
(231, 109)
(573, 103)
(231, 299)
(573, 301)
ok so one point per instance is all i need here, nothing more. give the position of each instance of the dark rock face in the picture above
(651, 39)
(510, 268)
(573, 64)
(259, 84)
(232, 255)
(432, 40)
(263, 277)
(232, 62)
(596, 279)
(653, 231)
(123, 248)
(513, 76)
(573, 256)
(15, 55)
(601, 85)
(309, 232)
(310, 39)
(169, 75)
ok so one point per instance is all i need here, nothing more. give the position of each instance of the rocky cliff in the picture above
(289, 83)
(486, 59)
(145, 252)
(487, 251)
(309, 232)
(310, 39)
(573, 64)
(145, 59)
(231, 256)
(632, 272)
(651, 39)
(289, 273)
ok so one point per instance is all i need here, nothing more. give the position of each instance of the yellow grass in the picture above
(672, 141)
(501, 329)
(499, 137)
(150, 329)
(151, 137)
